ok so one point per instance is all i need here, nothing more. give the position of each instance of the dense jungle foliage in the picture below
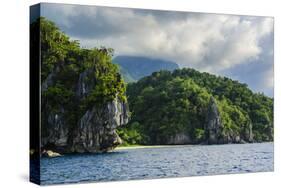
(162, 105)
(167, 103)
(62, 63)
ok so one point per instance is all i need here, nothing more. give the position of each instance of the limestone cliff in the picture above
(94, 129)
(215, 130)
(213, 126)
(180, 138)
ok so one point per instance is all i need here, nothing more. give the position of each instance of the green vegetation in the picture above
(62, 63)
(126, 75)
(130, 134)
(167, 103)
(163, 104)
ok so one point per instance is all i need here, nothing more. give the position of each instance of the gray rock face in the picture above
(180, 138)
(56, 133)
(85, 84)
(213, 125)
(247, 133)
(95, 130)
(214, 133)
(50, 153)
(49, 81)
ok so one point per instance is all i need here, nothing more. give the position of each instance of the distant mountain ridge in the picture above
(134, 68)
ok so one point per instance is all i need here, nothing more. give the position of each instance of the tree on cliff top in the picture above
(62, 63)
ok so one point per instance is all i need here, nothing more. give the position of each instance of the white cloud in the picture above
(268, 81)
(208, 42)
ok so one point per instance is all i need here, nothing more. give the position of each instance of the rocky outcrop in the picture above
(247, 134)
(213, 126)
(49, 81)
(50, 153)
(85, 83)
(56, 131)
(94, 130)
(180, 138)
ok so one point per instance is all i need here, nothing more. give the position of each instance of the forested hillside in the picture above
(173, 107)
(82, 93)
(84, 100)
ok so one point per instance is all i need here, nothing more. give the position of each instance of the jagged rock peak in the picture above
(96, 130)
(213, 125)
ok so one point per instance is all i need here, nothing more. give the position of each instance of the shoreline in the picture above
(179, 145)
(150, 146)
(52, 154)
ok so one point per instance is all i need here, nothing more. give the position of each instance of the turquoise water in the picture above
(148, 163)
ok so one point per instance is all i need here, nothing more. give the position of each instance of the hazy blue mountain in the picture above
(126, 75)
(133, 67)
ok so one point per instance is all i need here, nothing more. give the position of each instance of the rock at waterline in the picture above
(213, 125)
(50, 153)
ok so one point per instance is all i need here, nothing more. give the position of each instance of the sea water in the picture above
(163, 162)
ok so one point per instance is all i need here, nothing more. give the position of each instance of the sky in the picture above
(239, 47)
